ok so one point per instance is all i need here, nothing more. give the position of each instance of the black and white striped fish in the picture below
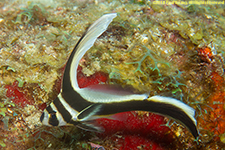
(80, 106)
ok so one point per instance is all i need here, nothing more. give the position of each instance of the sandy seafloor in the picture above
(167, 49)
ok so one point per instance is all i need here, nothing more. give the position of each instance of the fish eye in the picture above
(53, 121)
(53, 115)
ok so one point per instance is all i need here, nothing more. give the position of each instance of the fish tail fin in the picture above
(177, 110)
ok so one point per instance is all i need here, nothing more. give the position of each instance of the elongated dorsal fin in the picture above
(84, 44)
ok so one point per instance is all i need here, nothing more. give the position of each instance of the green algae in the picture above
(10, 68)
(4, 117)
(156, 63)
(2, 143)
(2, 111)
(34, 12)
(21, 82)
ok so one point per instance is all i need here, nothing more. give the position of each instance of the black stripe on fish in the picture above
(52, 116)
(62, 110)
(53, 120)
(75, 101)
(150, 106)
(42, 117)
(66, 84)
(49, 109)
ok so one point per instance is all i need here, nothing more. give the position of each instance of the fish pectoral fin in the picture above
(90, 126)
(88, 113)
